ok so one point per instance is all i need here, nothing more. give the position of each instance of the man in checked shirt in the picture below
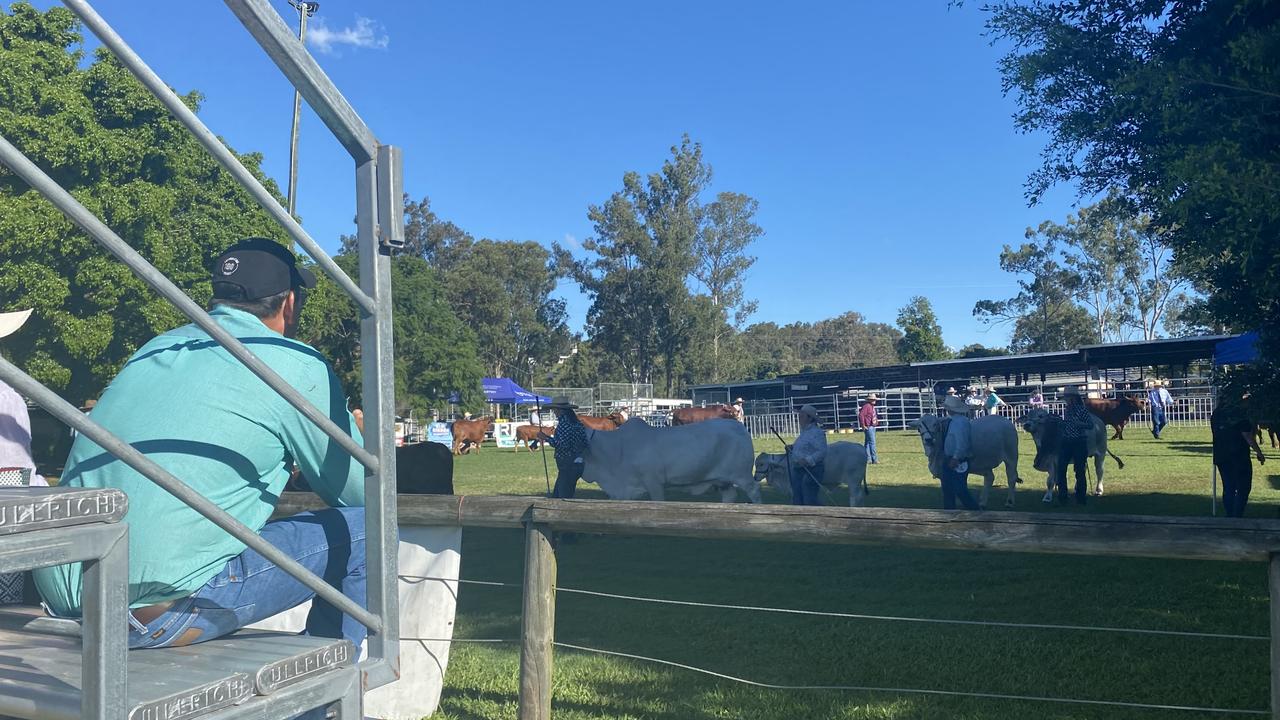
(1074, 448)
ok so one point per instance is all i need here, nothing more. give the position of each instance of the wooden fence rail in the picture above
(1045, 533)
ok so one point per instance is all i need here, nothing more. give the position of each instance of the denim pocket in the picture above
(232, 572)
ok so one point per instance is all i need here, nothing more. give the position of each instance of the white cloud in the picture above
(364, 34)
(572, 242)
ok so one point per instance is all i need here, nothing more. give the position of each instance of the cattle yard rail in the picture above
(1114, 536)
(379, 221)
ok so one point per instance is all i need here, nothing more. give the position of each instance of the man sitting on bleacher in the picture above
(188, 405)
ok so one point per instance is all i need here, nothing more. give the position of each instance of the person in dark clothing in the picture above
(1078, 423)
(1233, 438)
(570, 442)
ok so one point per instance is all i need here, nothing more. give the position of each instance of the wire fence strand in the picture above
(884, 618)
(912, 691)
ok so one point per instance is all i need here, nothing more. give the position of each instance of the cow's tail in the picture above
(1116, 458)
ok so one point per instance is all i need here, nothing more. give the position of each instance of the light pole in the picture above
(305, 10)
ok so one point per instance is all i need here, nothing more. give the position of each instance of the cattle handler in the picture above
(957, 446)
(186, 404)
(808, 459)
(570, 442)
(1078, 423)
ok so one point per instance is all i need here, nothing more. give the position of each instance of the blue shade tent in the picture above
(504, 392)
(1239, 350)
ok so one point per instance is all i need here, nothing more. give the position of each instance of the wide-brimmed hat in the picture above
(951, 391)
(560, 402)
(873, 398)
(738, 400)
(1071, 391)
(11, 321)
(809, 410)
(954, 404)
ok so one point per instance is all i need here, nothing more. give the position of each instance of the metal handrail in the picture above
(264, 23)
(379, 226)
(219, 151)
(83, 217)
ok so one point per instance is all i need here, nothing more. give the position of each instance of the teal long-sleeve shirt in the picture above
(185, 403)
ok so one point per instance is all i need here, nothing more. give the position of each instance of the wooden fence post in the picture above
(1273, 576)
(537, 624)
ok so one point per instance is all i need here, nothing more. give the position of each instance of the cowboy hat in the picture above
(11, 321)
(873, 398)
(738, 400)
(560, 402)
(954, 404)
(951, 391)
(809, 410)
(1071, 391)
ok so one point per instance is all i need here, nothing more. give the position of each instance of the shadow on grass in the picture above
(1202, 448)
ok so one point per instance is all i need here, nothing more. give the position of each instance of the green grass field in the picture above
(1167, 477)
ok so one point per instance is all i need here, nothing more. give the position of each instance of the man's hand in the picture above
(543, 437)
(358, 414)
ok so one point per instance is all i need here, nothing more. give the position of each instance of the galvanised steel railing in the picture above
(379, 222)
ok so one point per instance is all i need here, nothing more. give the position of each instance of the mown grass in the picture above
(1169, 477)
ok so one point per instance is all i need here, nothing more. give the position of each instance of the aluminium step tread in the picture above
(40, 673)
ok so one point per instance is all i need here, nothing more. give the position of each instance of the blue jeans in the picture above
(870, 434)
(1157, 420)
(329, 543)
(955, 486)
(805, 484)
(567, 476)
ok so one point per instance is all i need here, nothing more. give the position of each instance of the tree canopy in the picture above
(1175, 104)
(104, 138)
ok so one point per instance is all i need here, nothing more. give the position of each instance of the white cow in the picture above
(638, 459)
(1046, 430)
(846, 464)
(995, 441)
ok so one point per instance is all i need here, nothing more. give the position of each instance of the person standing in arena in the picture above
(869, 420)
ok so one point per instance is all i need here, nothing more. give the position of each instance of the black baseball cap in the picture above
(256, 268)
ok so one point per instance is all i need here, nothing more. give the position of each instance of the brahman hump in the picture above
(638, 460)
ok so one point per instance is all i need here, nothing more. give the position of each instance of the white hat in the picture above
(955, 404)
(809, 410)
(11, 321)
(873, 398)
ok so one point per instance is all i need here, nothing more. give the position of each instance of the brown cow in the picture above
(1116, 412)
(528, 434)
(612, 421)
(470, 432)
(691, 415)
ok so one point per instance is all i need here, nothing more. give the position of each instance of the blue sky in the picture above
(874, 135)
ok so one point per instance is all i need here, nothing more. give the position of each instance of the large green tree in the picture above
(435, 353)
(638, 263)
(721, 249)
(921, 335)
(503, 291)
(1044, 314)
(103, 137)
(1176, 104)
